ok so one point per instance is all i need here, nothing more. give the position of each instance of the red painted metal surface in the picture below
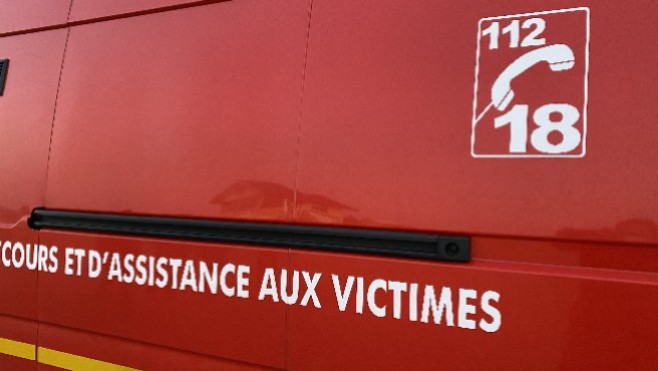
(387, 122)
(130, 354)
(21, 330)
(237, 328)
(552, 318)
(182, 112)
(26, 108)
(386, 129)
(196, 113)
(21, 15)
(17, 282)
(91, 9)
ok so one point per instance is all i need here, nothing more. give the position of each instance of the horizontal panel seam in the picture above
(110, 17)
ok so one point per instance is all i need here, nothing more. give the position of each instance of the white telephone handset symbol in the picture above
(558, 56)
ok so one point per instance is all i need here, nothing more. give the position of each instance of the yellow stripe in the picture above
(78, 363)
(18, 349)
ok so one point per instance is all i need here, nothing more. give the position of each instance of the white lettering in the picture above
(53, 260)
(375, 285)
(465, 309)
(207, 278)
(141, 276)
(310, 289)
(6, 260)
(292, 298)
(413, 302)
(43, 258)
(268, 286)
(342, 298)
(243, 281)
(226, 290)
(68, 261)
(189, 276)
(115, 267)
(494, 313)
(444, 306)
(359, 295)
(162, 281)
(32, 253)
(175, 264)
(18, 262)
(129, 275)
(398, 288)
(94, 266)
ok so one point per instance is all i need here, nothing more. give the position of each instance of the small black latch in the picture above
(454, 248)
(4, 65)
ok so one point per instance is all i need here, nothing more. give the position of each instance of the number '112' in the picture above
(535, 25)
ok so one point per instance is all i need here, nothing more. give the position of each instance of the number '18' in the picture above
(517, 118)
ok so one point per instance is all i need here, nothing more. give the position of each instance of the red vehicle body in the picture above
(324, 113)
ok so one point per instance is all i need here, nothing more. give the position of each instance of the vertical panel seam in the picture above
(301, 112)
(52, 126)
(68, 15)
(45, 185)
(296, 174)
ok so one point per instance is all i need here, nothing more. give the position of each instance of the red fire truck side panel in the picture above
(26, 108)
(386, 132)
(189, 113)
(163, 311)
(269, 116)
(27, 112)
(16, 281)
(22, 331)
(552, 317)
(387, 126)
(21, 15)
(90, 9)
(130, 354)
